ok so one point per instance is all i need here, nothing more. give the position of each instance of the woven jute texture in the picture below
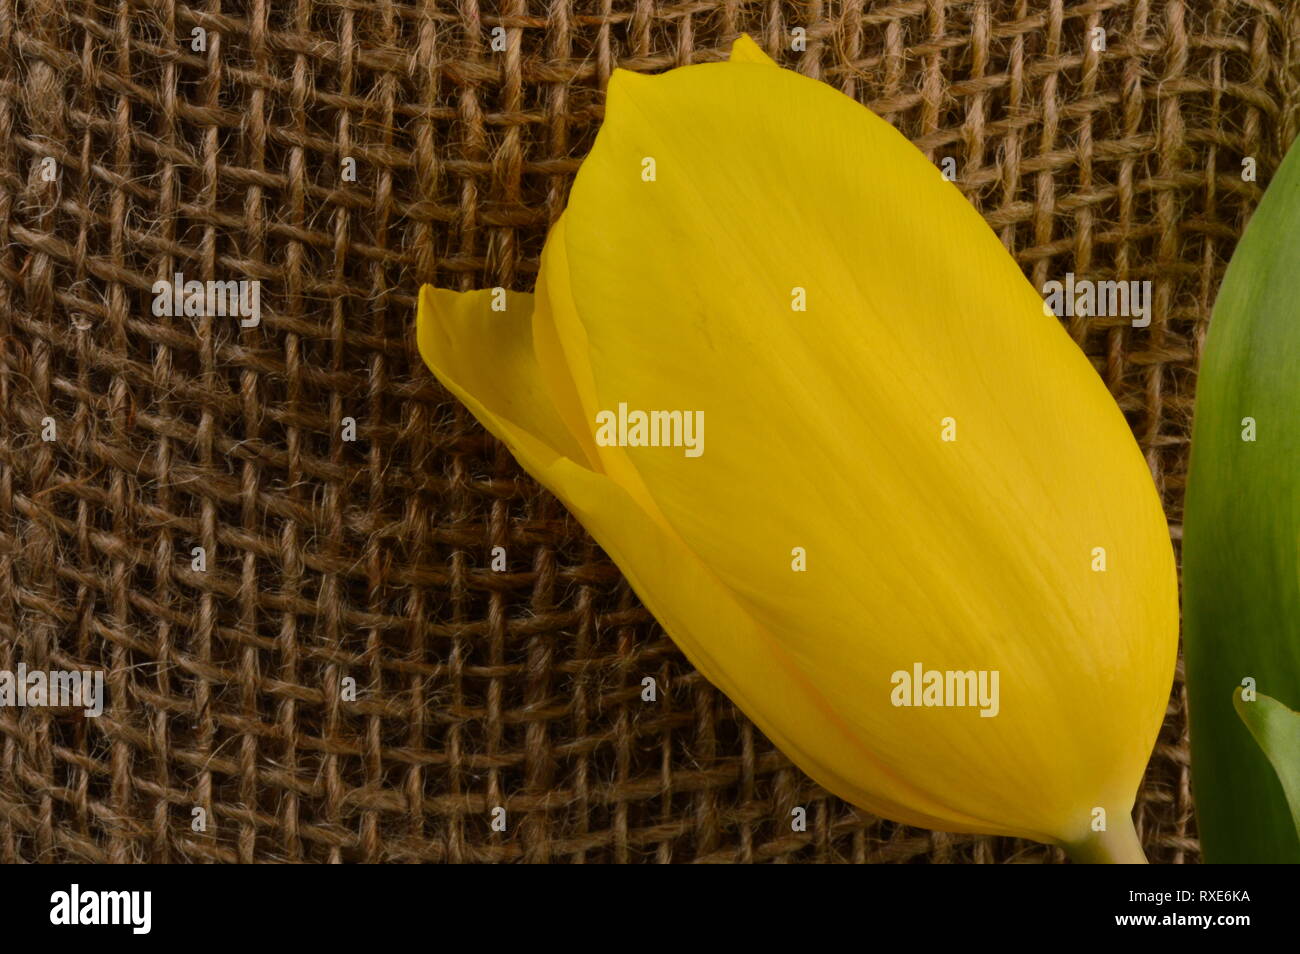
(143, 138)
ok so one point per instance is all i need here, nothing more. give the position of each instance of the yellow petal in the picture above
(485, 357)
(825, 432)
(745, 50)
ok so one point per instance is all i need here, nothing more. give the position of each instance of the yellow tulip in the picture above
(908, 469)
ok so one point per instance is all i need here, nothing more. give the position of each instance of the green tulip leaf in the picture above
(1277, 730)
(1241, 536)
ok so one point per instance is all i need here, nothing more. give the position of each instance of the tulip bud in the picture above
(918, 545)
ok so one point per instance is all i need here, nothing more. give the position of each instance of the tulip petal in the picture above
(745, 50)
(823, 429)
(486, 359)
(675, 285)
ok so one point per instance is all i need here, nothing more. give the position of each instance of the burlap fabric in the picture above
(329, 559)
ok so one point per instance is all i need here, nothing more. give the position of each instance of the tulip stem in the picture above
(1116, 846)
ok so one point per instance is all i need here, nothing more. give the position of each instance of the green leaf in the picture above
(1277, 730)
(1241, 537)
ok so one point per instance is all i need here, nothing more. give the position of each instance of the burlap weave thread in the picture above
(329, 560)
